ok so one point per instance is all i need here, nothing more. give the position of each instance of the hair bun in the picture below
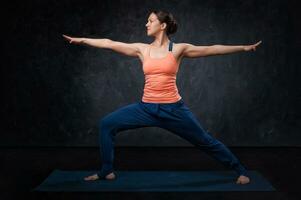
(167, 17)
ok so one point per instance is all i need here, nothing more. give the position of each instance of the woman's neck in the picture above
(161, 40)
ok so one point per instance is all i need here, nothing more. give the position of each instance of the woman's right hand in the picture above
(73, 40)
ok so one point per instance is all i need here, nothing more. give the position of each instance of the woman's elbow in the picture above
(108, 43)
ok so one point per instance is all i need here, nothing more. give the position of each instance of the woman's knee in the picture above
(105, 123)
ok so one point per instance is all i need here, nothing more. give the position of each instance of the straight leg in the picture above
(181, 121)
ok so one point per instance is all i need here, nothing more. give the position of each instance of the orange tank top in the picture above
(160, 78)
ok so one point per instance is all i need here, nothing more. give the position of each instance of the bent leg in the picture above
(128, 117)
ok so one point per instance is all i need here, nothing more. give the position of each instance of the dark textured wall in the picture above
(55, 93)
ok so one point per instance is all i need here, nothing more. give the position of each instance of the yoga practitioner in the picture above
(161, 104)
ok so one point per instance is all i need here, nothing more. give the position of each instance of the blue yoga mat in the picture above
(153, 181)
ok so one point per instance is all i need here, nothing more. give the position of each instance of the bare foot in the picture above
(242, 180)
(95, 177)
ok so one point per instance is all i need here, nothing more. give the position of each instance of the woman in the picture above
(161, 105)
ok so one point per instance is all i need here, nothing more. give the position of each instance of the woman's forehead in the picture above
(152, 16)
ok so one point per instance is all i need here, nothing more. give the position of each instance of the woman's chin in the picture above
(150, 33)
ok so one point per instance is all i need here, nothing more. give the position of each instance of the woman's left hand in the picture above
(251, 47)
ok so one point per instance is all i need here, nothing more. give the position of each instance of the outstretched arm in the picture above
(129, 49)
(193, 51)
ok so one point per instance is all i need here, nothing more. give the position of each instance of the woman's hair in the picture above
(166, 17)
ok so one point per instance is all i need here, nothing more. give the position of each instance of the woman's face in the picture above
(153, 25)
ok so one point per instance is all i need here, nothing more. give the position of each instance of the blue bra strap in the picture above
(170, 46)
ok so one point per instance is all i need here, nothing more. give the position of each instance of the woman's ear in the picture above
(163, 25)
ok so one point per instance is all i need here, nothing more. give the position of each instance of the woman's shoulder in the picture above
(142, 46)
(175, 45)
(145, 45)
(177, 48)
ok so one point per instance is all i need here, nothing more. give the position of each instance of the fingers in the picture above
(258, 43)
(67, 37)
(70, 39)
(255, 45)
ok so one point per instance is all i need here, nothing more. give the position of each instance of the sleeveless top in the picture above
(160, 78)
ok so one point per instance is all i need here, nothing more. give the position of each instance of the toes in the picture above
(87, 178)
(91, 178)
(242, 181)
(110, 176)
(95, 177)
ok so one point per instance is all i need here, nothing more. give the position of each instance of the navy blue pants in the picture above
(174, 117)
